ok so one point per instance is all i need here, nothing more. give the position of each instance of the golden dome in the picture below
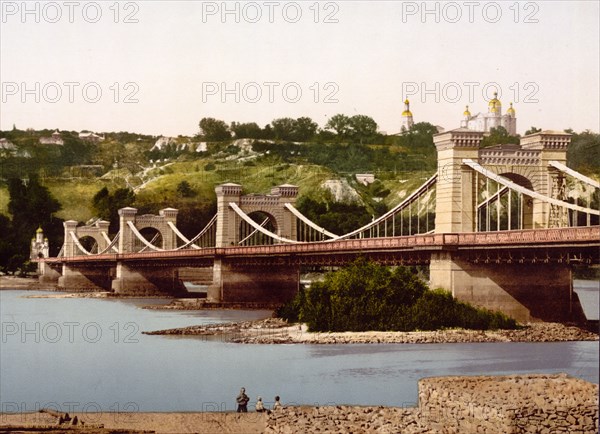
(406, 111)
(467, 112)
(494, 103)
(39, 229)
(511, 110)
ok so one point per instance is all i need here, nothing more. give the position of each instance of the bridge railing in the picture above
(582, 234)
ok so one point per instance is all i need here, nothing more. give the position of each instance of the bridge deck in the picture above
(414, 248)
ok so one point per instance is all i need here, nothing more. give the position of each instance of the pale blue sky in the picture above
(372, 52)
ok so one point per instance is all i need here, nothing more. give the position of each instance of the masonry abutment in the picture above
(146, 280)
(83, 278)
(233, 283)
(523, 291)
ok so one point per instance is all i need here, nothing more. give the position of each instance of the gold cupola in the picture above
(494, 105)
(406, 111)
(511, 111)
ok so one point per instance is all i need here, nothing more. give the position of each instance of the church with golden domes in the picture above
(492, 119)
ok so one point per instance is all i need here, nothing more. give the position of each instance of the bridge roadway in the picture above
(560, 245)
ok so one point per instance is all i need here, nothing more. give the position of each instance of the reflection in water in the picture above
(92, 351)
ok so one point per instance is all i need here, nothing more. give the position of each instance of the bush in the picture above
(365, 296)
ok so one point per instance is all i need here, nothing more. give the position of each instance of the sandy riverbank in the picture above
(130, 423)
(277, 331)
(301, 419)
(460, 404)
(24, 283)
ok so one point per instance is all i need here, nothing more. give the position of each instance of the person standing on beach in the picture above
(242, 401)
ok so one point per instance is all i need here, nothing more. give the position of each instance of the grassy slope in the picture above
(158, 186)
(76, 195)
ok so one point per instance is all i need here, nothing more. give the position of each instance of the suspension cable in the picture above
(574, 173)
(506, 182)
(255, 225)
(141, 237)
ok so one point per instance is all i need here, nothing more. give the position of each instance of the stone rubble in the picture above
(277, 331)
(487, 404)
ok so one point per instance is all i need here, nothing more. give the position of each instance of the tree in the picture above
(7, 244)
(184, 189)
(284, 128)
(362, 127)
(100, 203)
(31, 206)
(246, 131)
(583, 154)
(498, 136)
(364, 296)
(267, 132)
(532, 130)
(305, 129)
(30, 203)
(214, 130)
(340, 124)
(107, 205)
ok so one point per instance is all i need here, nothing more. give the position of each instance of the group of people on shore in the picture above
(242, 403)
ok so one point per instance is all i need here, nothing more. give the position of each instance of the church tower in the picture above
(407, 118)
(39, 245)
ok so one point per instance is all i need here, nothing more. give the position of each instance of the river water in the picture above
(90, 355)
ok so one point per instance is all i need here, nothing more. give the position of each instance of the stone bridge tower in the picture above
(272, 204)
(140, 280)
(526, 164)
(253, 282)
(158, 222)
(84, 278)
(522, 290)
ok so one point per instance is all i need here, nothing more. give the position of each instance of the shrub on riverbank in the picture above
(364, 296)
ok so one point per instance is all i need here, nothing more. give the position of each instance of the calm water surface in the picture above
(90, 354)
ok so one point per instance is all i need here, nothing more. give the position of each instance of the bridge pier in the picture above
(147, 280)
(524, 291)
(253, 283)
(47, 274)
(84, 279)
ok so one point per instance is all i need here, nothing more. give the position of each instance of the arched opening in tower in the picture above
(152, 236)
(250, 236)
(500, 208)
(89, 243)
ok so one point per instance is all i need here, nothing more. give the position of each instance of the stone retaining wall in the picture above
(509, 404)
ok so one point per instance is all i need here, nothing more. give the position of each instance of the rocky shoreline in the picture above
(277, 331)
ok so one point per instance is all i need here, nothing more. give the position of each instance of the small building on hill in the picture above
(90, 137)
(7, 146)
(55, 139)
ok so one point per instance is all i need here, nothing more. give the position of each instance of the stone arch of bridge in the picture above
(159, 223)
(264, 218)
(273, 205)
(94, 232)
(527, 176)
(150, 225)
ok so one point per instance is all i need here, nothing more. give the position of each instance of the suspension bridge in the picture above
(497, 226)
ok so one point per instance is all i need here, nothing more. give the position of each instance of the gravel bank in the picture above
(277, 331)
